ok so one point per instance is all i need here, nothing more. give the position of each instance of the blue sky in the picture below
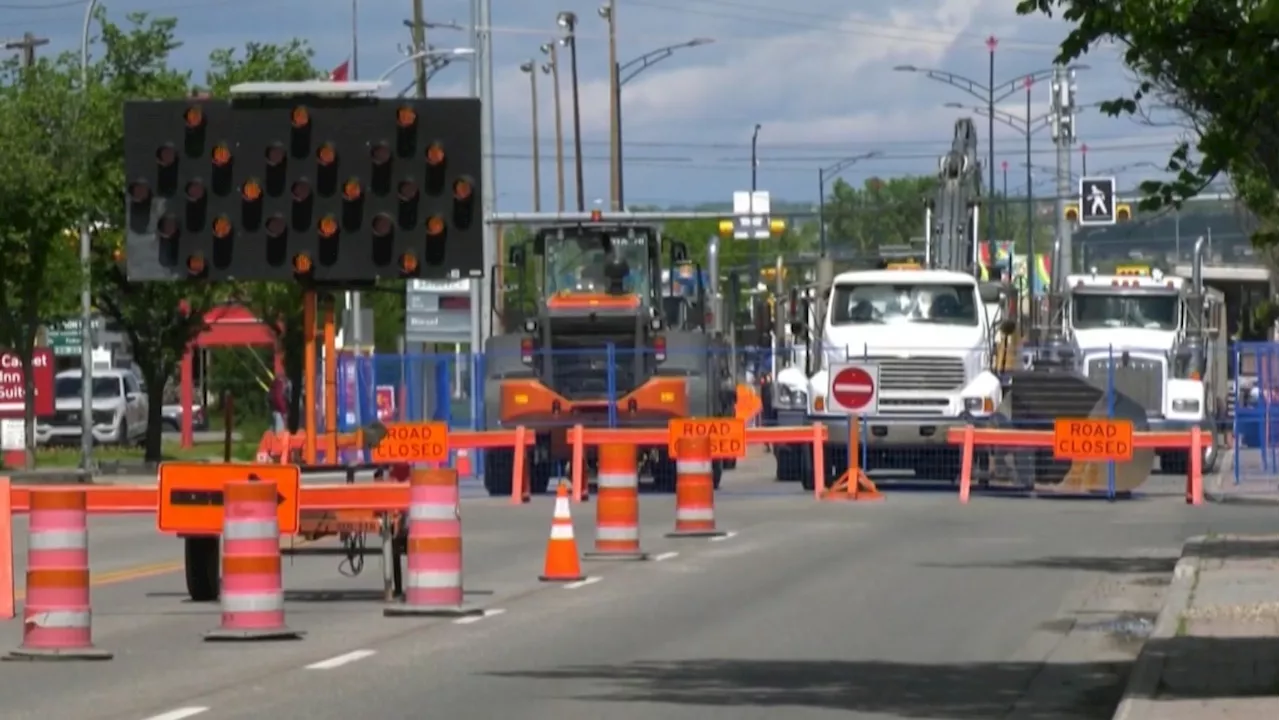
(817, 76)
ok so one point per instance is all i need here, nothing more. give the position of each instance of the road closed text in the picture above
(413, 442)
(1093, 440)
(728, 436)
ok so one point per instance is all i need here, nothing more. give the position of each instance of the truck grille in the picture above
(919, 373)
(582, 373)
(66, 417)
(1141, 379)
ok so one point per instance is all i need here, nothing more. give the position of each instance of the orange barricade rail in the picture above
(969, 437)
(580, 437)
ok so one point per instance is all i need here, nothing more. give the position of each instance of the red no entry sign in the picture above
(854, 389)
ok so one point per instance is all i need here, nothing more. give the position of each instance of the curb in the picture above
(1144, 680)
(1217, 494)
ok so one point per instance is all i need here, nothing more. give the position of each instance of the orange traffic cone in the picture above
(563, 563)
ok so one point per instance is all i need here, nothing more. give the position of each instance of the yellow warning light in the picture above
(351, 190)
(667, 397)
(195, 264)
(302, 263)
(435, 154)
(221, 156)
(328, 227)
(326, 155)
(777, 227)
(435, 225)
(222, 227)
(462, 189)
(300, 118)
(725, 228)
(1123, 212)
(1072, 212)
(251, 191)
(408, 263)
(194, 117)
(521, 399)
(406, 117)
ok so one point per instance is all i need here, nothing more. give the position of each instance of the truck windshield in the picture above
(576, 263)
(103, 387)
(1095, 311)
(904, 303)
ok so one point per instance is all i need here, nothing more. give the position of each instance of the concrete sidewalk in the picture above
(1213, 653)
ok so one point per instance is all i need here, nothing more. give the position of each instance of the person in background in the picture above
(278, 400)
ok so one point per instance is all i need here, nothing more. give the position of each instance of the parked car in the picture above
(119, 409)
(172, 416)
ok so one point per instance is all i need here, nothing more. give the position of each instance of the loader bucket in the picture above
(1034, 400)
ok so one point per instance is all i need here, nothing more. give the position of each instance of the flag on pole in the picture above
(341, 73)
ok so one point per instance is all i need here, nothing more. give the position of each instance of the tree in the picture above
(1211, 62)
(41, 119)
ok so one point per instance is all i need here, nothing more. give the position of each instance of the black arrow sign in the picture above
(204, 498)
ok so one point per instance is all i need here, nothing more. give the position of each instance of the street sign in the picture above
(13, 386)
(855, 389)
(413, 442)
(65, 337)
(728, 436)
(437, 311)
(191, 495)
(751, 215)
(1091, 439)
(1097, 201)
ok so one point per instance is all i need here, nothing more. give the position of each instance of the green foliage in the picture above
(42, 183)
(1212, 62)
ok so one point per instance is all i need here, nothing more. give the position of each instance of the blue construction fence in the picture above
(448, 387)
(1255, 410)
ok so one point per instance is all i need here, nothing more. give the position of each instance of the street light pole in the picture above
(86, 285)
(990, 95)
(553, 66)
(991, 144)
(531, 67)
(632, 68)
(755, 141)
(834, 170)
(609, 11)
(568, 21)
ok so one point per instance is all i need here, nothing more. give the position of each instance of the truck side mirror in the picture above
(515, 256)
(679, 252)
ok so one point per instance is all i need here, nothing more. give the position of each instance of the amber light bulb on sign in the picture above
(462, 189)
(251, 191)
(351, 190)
(409, 263)
(221, 156)
(435, 225)
(435, 154)
(328, 227)
(406, 117)
(326, 155)
(302, 263)
(222, 227)
(193, 117)
(195, 264)
(300, 118)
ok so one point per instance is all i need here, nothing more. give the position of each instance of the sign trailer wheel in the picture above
(203, 556)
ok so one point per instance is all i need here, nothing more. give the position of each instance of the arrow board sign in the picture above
(192, 495)
(854, 389)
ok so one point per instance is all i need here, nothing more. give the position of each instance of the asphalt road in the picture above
(915, 607)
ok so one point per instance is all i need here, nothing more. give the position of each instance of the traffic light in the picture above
(333, 190)
(1123, 212)
(1072, 212)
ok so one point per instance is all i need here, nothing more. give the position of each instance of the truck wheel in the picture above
(498, 465)
(789, 464)
(203, 566)
(540, 476)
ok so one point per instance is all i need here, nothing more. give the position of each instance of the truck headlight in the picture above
(979, 405)
(104, 417)
(789, 398)
(1186, 405)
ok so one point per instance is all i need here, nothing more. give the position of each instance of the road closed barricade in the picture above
(729, 439)
(1094, 452)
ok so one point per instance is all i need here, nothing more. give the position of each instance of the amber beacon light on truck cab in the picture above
(587, 339)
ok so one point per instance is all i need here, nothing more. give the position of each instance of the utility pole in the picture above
(1064, 136)
(419, 48)
(27, 46)
(609, 11)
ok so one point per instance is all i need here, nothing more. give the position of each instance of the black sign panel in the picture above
(322, 189)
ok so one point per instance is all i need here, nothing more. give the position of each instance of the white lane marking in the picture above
(340, 660)
(727, 536)
(665, 556)
(179, 714)
(477, 618)
(582, 583)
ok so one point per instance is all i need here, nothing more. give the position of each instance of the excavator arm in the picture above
(959, 186)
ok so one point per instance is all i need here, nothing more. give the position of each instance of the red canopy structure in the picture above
(228, 326)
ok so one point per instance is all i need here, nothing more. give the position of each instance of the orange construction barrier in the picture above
(56, 617)
(252, 588)
(7, 600)
(813, 435)
(969, 437)
(618, 505)
(695, 489)
(853, 485)
(433, 585)
(562, 562)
